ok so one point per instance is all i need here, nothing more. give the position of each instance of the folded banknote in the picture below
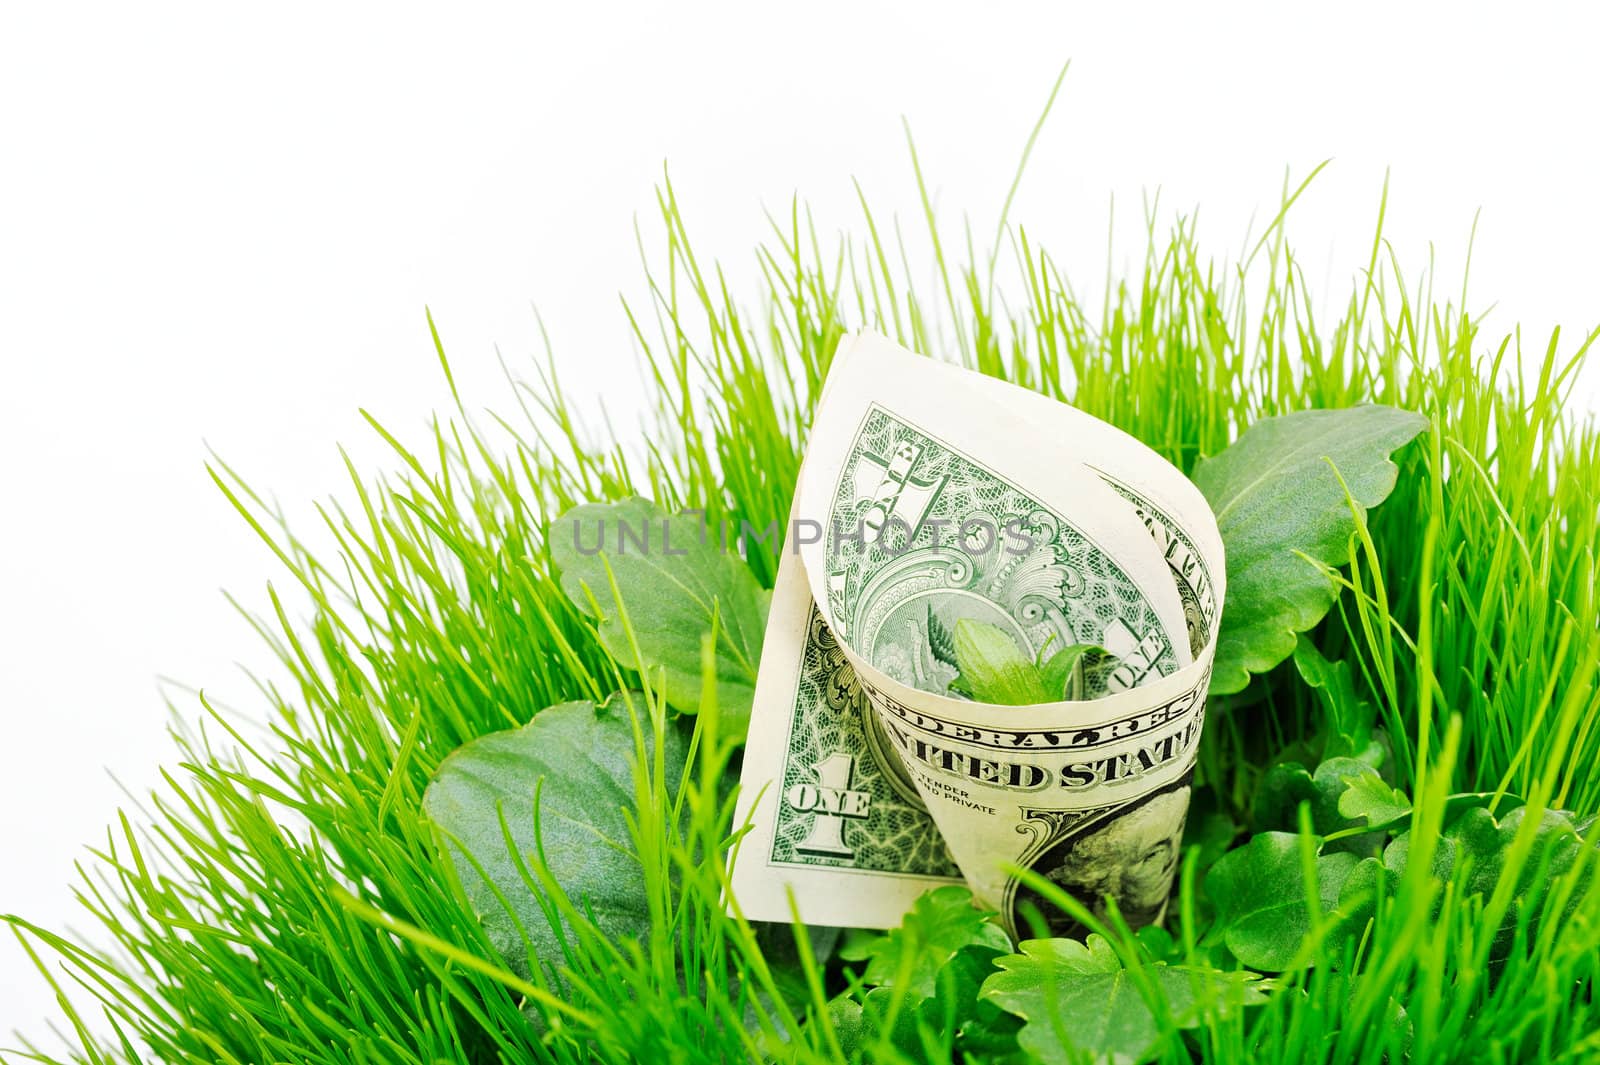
(930, 496)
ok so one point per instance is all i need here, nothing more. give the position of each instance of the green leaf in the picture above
(1286, 785)
(1475, 852)
(927, 973)
(1077, 1000)
(1331, 782)
(1368, 798)
(1348, 718)
(579, 762)
(940, 923)
(673, 579)
(1282, 511)
(1278, 795)
(1063, 672)
(954, 1014)
(984, 1031)
(850, 1025)
(1481, 843)
(1263, 915)
(1357, 905)
(994, 669)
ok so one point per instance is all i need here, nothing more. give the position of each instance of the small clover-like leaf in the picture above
(941, 923)
(978, 1027)
(1287, 785)
(1357, 904)
(1368, 798)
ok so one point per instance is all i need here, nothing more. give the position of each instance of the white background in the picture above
(223, 228)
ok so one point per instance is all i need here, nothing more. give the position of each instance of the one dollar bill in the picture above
(932, 495)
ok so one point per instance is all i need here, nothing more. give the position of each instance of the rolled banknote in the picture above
(930, 495)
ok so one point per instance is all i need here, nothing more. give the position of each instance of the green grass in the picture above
(282, 900)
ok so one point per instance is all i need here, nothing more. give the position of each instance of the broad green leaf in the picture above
(1483, 844)
(673, 577)
(940, 923)
(1079, 1003)
(1158, 943)
(955, 1006)
(1282, 511)
(1357, 904)
(994, 669)
(579, 762)
(928, 972)
(1263, 915)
